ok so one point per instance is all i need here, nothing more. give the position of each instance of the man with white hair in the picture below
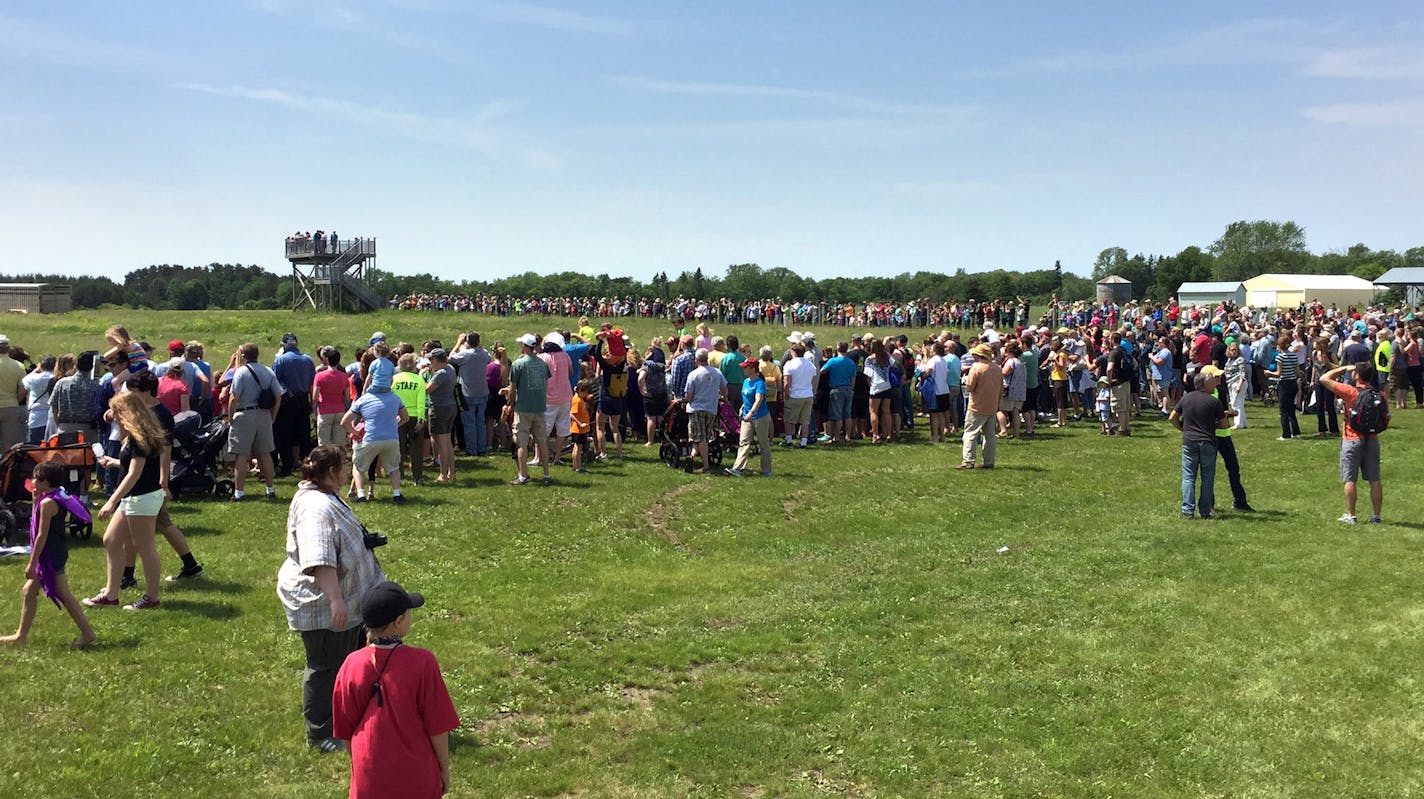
(990, 334)
(704, 388)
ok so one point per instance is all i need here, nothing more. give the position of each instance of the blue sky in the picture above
(477, 139)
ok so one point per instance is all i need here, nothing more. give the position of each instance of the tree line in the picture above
(1244, 250)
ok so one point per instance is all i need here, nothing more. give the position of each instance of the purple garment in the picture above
(494, 376)
(43, 568)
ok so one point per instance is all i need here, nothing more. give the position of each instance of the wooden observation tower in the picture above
(331, 276)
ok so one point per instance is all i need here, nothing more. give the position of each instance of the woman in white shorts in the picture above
(133, 507)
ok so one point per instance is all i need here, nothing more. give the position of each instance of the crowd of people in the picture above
(585, 394)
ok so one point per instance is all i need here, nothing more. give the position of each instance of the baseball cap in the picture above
(385, 603)
(375, 337)
(555, 338)
(439, 354)
(289, 338)
(176, 345)
(1213, 370)
(751, 362)
(528, 340)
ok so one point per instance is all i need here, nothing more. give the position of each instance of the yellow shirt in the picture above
(771, 373)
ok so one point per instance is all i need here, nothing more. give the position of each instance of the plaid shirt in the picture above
(682, 366)
(322, 531)
(73, 399)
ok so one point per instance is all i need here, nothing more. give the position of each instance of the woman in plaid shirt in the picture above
(327, 571)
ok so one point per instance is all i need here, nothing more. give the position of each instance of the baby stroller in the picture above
(677, 449)
(18, 464)
(729, 429)
(196, 452)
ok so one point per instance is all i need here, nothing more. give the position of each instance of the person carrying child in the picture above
(48, 553)
(391, 703)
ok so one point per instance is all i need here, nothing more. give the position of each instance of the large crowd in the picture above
(580, 395)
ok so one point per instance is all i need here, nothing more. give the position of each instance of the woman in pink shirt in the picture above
(331, 396)
(173, 393)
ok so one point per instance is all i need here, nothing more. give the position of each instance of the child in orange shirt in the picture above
(579, 422)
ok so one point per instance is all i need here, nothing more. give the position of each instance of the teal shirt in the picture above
(1030, 362)
(731, 368)
(530, 378)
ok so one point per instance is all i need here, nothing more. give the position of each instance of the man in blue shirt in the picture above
(840, 374)
(292, 427)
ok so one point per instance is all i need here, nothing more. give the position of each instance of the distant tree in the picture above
(1248, 249)
(1109, 262)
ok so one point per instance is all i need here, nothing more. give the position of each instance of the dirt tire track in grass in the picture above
(660, 514)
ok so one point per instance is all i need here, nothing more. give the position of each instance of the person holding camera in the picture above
(329, 569)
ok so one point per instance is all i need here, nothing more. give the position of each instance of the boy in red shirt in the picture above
(391, 703)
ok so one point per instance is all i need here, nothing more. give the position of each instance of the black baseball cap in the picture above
(386, 602)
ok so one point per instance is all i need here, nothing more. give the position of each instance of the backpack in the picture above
(266, 398)
(618, 383)
(1369, 415)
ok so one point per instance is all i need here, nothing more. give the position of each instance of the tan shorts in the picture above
(527, 425)
(796, 411)
(1010, 406)
(251, 434)
(366, 453)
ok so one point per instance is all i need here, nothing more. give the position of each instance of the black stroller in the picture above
(197, 449)
(677, 448)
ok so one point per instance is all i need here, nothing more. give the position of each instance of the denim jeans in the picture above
(1226, 448)
(1198, 459)
(1285, 394)
(111, 476)
(473, 420)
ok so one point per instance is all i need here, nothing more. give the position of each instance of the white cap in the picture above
(528, 340)
(554, 338)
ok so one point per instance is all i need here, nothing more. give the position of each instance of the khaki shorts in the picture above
(527, 425)
(1010, 406)
(366, 453)
(796, 411)
(251, 433)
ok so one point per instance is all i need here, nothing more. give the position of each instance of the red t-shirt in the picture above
(391, 753)
(1201, 349)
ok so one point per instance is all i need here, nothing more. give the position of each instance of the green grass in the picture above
(844, 629)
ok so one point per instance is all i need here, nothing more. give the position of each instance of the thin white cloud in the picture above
(845, 101)
(548, 17)
(1369, 63)
(1247, 41)
(26, 40)
(1397, 113)
(471, 134)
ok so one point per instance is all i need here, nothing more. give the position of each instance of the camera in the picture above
(372, 540)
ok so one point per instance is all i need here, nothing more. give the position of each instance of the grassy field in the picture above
(847, 628)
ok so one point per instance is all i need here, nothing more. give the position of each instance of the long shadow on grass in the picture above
(211, 610)
(205, 585)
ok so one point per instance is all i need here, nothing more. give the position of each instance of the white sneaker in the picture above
(1346, 519)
